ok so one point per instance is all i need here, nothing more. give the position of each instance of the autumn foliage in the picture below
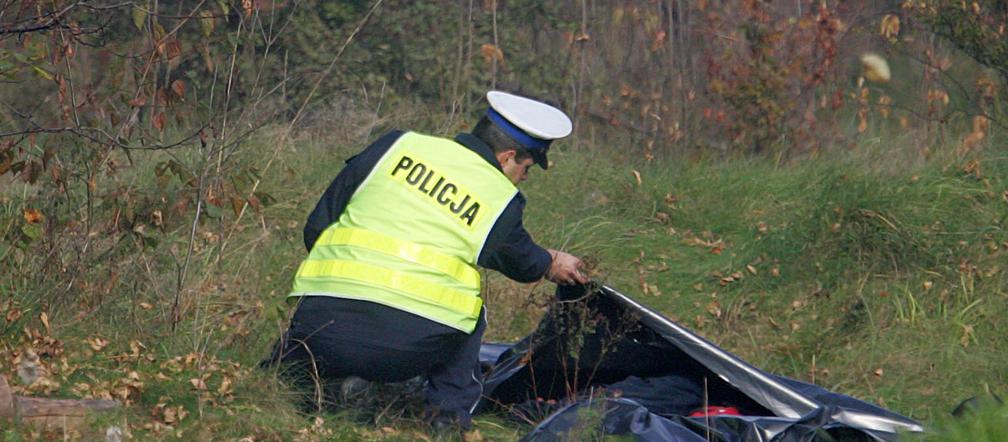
(142, 149)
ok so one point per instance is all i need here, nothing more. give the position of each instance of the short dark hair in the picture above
(499, 141)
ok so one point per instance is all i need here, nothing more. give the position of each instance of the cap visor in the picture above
(539, 155)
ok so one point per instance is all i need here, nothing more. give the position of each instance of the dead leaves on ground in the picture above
(98, 367)
(644, 270)
(706, 240)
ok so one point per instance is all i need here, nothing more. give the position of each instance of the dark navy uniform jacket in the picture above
(508, 249)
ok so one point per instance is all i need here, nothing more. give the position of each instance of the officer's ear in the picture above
(505, 155)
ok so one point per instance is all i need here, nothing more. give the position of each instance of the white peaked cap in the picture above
(535, 118)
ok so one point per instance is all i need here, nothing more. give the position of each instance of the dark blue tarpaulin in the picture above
(600, 361)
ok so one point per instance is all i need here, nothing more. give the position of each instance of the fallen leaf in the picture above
(700, 321)
(13, 314)
(890, 27)
(136, 347)
(198, 384)
(97, 344)
(637, 176)
(967, 335)
(178, 86)
(139, 101)
(159, 121)
(225, 388)
(714, 308)
(33, 216)
(173, 415)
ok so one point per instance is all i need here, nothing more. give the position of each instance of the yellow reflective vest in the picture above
(410, 235)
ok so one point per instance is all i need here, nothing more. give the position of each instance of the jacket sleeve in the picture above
(332, 203)
(509, 248)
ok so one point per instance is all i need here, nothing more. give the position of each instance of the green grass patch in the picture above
(871, 272)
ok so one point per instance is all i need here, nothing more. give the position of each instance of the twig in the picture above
(227, 93)
(493, 60)
(70, 82)
(314, 374)
(180, 279)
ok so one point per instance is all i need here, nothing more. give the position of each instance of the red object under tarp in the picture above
(715, 410)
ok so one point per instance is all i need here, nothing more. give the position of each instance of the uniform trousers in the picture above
(336, 338)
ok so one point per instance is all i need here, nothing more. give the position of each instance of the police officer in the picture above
(389, 290)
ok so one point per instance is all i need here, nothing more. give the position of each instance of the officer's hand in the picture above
(565, 269)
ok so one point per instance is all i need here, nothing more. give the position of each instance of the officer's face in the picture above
(517, 170)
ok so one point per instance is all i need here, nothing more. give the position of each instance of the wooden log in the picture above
(48, 413)
(6, 401)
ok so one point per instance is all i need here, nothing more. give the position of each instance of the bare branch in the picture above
(106, 138)
(53, 21)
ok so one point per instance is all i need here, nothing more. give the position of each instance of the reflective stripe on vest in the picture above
(401, 282)
(411, 233)
(410, 251)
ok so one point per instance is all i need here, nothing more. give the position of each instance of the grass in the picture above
(869, 271)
